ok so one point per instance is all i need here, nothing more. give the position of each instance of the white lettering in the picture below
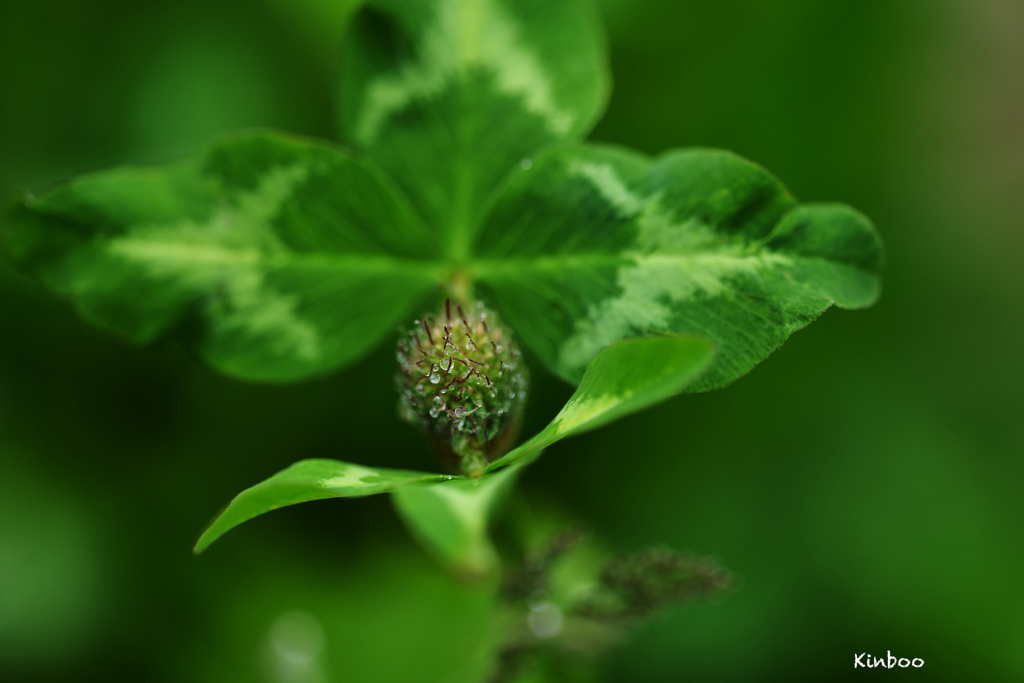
(866, 660)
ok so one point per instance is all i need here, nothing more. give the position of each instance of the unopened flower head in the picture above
(461, 380)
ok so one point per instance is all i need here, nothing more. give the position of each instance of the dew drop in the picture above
(460, 411)
(435, 378)
(545, 620)
(526, 164)
(434, 412)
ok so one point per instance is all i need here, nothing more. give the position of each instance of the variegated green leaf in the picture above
(594, 244)
(449, 95)
(304, 481)
(277, 258)
(450, 518)
(625, 378)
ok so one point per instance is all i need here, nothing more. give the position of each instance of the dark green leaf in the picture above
(304, 481)
(594, 244)
(624, 378)
(278, 258)
(449, 95)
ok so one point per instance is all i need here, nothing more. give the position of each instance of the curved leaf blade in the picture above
(276, 258)
(624, 378)
(450, 519)
(304, 481)
(696, 241)
(449, 95)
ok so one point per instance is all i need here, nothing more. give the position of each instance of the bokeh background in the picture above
(865, 481)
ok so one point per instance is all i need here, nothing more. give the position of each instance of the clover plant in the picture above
(465, 208)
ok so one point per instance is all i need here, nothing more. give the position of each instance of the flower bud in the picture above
(461, 380)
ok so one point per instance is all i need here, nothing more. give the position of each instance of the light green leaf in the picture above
(625, 378)
(450, 519)
(449, 95)
(594, 244)
(277, 258)
(304, 481)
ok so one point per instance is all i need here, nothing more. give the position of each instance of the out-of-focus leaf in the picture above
(450, 519)
(277, 258)
(594, 244)
(304, 481)
(625, 378)
(449, 95)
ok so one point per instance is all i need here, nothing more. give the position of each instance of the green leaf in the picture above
(594, 244)
(450, 519)
(276, 258)
(449, 95)
(625, 378)
(304, 481)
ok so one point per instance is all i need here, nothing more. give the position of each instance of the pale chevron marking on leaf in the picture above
(672, 263)
(486, 37)
(353, 476)
(609, 186)
(228, 254)
(577, 412)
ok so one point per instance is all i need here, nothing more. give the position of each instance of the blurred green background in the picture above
(865, 481)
